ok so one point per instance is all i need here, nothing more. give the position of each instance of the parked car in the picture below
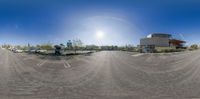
(41, 51)
(32, 51)
(18, 51)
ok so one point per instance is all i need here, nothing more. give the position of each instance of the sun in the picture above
(100, 34)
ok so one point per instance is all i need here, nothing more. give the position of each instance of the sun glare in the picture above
(100, 35)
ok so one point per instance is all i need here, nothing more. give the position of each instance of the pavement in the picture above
(101, 75)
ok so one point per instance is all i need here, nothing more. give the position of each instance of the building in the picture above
(154, 40)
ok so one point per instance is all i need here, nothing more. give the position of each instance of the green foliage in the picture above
(194, 47)
(91, 47)
(45, 46)
(6, 46)
(109, 47)
(167, 50)
(129, 47)
(77, 44)
(170, 50)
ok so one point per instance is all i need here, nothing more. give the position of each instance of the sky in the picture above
(120, 22)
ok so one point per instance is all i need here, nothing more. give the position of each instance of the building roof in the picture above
(162, 35)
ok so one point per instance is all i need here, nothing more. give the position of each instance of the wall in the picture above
(157, 41)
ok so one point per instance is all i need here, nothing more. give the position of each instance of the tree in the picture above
(91, 47)
(18, 47)
(77, 44)
(194, 46)
(7, 46)
(46, 46)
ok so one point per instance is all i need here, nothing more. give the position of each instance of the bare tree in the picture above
(77, 44)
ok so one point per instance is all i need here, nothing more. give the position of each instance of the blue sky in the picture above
(121, 21)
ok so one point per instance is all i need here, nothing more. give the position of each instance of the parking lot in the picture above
(101, 75)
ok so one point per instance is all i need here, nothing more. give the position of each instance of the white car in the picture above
(32, 51)
(18, 51)
(41, 51)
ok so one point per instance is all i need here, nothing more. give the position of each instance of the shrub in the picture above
(168, 50)
(194, 47)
